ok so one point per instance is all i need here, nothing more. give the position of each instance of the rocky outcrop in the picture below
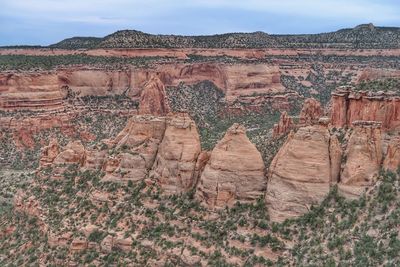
(363, 158)
(234, 172)
(95, 158)
(175, 166)
(284, 125)
(30, 91)
(98, 82)
(134, 149)
(392, 158)
(72, 154)
(49, 153)
(301, 173)
(311, 112)
(349, 106)
(153, 99)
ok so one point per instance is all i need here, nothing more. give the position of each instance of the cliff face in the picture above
(94, 81)
(30, 91)
(48, 90)
(153, 99)
(235, 171)
(348, 106)
(363, 159)
(392, 159)
(175, 166)
(134, 149)
(302, 171)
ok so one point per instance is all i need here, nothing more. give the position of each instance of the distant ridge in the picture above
(364, 36)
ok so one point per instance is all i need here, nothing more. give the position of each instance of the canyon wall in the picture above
(48, 90)
(349, 106)
(302, 171)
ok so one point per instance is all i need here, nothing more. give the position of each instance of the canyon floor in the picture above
(231, 150)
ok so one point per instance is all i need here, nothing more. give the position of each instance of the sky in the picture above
(43, 22)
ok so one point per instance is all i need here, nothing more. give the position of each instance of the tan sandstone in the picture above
(175, 166)
(235, 171)
(301, 173)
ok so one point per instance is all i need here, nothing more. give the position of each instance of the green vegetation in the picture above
(204, 102)
(383, 85)
(363, 36)
(22, 62)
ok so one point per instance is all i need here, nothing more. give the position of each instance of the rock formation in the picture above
(95, 158)
(175, 164)
(153, 100)
(301, 173)
(72, 153)
(392, 159)
(284, 125)
(349, 106)
(49, 153)
(311, 112)
(235, 171)
(363, 158)
(135, 149)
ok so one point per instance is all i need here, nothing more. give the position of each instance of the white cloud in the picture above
(355, 9)
(130, 9)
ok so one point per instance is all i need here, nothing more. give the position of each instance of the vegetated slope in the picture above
(205, 103)
(362, 232)
(389, 85)
(77, 43)
(129, 223)
(363, 37)
(88, 221)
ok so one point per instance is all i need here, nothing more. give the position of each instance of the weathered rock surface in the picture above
(153, 100)
(95, 158)
(72, 153)
(392, 159)
(235, 171)
(302, 171)
(135, 149)
(348, 106)
(175, 166)
(363, 158)
(49, 153)
(284, 125)
(311, 112)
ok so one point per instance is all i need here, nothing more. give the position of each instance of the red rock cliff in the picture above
(349, 106)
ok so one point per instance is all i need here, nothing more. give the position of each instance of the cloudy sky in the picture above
(48, 21)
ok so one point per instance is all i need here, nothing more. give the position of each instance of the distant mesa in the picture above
(363, 36)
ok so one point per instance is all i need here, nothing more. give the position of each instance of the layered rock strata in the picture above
(349, 106)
